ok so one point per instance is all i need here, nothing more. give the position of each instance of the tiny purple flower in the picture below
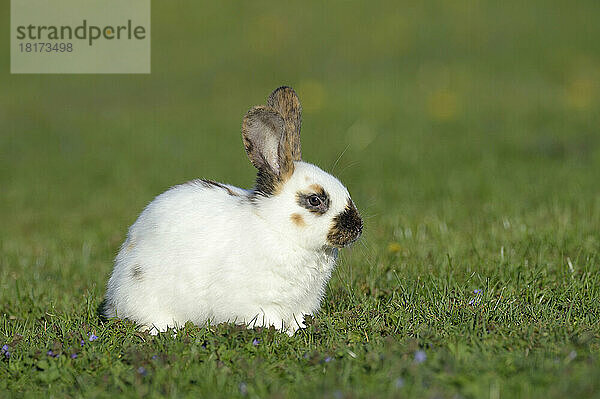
(255, 341)
(141, 370)
(74, 356)
(7, 354)
(4, 348)
(154, 357)
(327, 359)
(50, 353)
(82, 342)
(478, 291)
(93, 337)
(420, 356)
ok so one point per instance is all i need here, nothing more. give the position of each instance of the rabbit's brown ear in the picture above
(285, 101)
(263, 132)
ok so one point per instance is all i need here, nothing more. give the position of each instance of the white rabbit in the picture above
(210, 252)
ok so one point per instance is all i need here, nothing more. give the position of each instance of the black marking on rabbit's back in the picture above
(347, 226)
(137, 273)
(213, 185)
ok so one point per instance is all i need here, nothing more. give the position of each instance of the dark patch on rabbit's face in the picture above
(316, 200)
(137, 273)
(347, 227)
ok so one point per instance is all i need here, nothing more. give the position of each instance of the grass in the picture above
(469, 133)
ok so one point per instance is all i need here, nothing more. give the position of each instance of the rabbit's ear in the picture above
(263, 132)
(285, 101)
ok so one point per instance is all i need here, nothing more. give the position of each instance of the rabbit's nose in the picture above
(347, 226)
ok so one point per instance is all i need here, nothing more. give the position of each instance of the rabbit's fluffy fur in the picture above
(210, 252)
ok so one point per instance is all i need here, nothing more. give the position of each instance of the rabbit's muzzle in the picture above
(346, 228)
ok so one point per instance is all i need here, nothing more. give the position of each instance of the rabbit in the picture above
(208, 252)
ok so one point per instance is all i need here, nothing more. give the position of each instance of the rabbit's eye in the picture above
(314, 200)
(317, 203)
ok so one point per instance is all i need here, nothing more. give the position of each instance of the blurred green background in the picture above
(438, 104)
(461, 128)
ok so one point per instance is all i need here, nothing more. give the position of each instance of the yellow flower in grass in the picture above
(394, 247)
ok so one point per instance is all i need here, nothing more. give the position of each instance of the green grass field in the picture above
(466, 131)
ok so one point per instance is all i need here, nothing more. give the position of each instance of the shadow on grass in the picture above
(100, 311)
